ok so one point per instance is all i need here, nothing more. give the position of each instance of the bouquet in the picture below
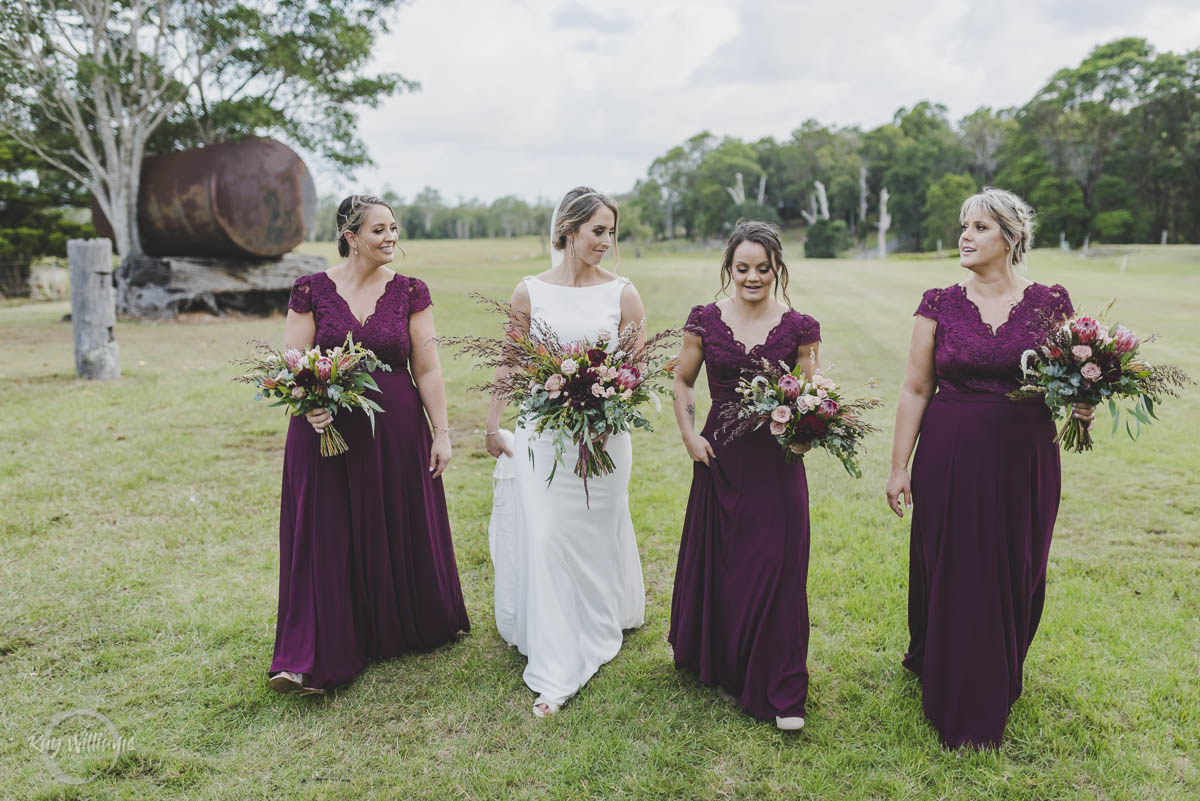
(1084, 360)
(800, 412)
(582, 392)
(307, 380)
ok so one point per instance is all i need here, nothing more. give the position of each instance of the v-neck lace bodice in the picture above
(968, 355)
(385, 330)
(725, 357)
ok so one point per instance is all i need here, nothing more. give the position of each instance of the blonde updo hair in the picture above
(1014, 216)
(576, 208)
(351, 214)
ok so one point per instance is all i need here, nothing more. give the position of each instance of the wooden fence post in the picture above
(93, 308)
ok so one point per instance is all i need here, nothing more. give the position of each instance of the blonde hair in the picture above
(351, 214)
(1014, 216)
(576, 208)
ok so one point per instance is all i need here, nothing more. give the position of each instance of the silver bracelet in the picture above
(489, 433)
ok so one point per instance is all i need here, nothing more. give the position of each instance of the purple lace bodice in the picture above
(725, 357)
(385, 330)
(968, 356)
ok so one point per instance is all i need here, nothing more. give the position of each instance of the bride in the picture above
(568, 576)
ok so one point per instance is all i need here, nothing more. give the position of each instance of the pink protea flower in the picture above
(781, 414)
(1081, 352)
(1091, 371)
(790, 386)
(627, 378)
(1085, 328)
(1124, 340)
(292, 358)
(828, 409)
(324, 368)
(777, 428)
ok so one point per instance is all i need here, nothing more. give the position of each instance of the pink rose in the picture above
(569, 367)
(827, 409)
(1085, 328)
(626, 394)
(1124, 340)
(598, 390)
(806, 403)
(324, 368)
(777, 428)
(790, 386)
(555, 383)
(298, 393)
(1091, 371)
(1081, 352)
(781, 414)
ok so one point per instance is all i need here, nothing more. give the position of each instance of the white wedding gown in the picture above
(568, 575)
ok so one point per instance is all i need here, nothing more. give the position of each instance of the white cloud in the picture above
(530, 98)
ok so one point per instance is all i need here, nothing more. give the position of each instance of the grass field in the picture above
(138, 569)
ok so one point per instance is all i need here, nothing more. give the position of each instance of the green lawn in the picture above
(138, 569)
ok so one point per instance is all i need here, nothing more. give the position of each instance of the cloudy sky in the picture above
(531, 97)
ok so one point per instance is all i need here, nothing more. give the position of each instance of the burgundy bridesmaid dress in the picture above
(739, 615)
(985, 484)
(366, 563)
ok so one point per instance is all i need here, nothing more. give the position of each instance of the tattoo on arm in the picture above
(691, 412)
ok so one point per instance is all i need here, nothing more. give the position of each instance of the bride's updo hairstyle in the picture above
(351, 214)
(576, 208)
(1014, 216)
(760, 233)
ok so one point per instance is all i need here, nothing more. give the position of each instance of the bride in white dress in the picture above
(568, 576)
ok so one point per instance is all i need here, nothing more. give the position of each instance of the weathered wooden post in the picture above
(93, 308)
(1164, 237)
(1062, 241)
(939, 248)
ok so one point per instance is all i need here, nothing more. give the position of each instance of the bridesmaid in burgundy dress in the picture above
(366, 567)
(985, 481)
(739, 615)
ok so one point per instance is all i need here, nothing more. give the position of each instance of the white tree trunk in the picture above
(822, 201)
(885, 222)
(93, 309)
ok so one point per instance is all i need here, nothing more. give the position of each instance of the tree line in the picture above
(1107, 150)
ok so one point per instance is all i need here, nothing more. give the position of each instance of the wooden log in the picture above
(93, 309)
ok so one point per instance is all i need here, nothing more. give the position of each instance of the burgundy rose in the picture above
(596, 356)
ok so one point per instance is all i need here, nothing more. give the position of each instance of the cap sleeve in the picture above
(300, 300)
(930, 303)
(418, 296)
(808, 330)
(1060, 301)
(695, 322)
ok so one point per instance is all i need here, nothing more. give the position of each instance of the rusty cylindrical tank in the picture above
(253, 198)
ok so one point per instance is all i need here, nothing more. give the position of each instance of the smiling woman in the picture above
(367, 566)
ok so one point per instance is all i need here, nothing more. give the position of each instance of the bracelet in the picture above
(489, 433)
(447, 429)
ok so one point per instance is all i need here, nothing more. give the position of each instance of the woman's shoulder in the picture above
(694, 324)
(933, 299)
(804, 326)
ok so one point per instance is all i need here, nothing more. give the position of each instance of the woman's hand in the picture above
(699, 449)
(898, 485)
(440, 452)
(318, 419)
(495, 445)
(1085, 412)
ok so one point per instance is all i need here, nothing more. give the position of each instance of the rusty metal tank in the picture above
(253, 198)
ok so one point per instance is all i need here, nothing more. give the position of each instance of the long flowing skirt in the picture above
(985, 483)
(568, 576)
(739, 615)
(366, 562)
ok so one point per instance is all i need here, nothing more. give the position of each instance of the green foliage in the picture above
(942, 203)
(825, 239)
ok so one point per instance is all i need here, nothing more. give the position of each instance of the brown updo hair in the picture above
(1013, 215)
(760, 233)
(351, 214)
(576, 208)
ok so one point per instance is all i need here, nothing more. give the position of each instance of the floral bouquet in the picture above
(580, 391)
(307, 380)
(800, 412)
(1084, 360)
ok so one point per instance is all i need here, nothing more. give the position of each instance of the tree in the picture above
(942, 203)
(825, 239)
(127, 78)
(984, 133)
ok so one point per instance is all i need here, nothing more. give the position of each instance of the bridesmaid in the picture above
(366, 563)
(985, 481)
(739, 615)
